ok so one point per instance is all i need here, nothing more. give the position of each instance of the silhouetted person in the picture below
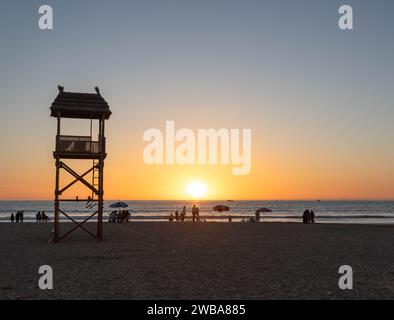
(257, 216)
(12, 218)
(312, 217)
(21, 216)
(38, 217)
(194, 212)
(305, 216)
(183, 214)
(230, 218)
(44, 217)
(176, 216)
(198, 213)
(171, 219)
(113, 216)
(17, 216)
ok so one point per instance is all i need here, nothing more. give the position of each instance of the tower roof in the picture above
(80, 105)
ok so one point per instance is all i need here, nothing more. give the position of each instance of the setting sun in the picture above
(197, 189)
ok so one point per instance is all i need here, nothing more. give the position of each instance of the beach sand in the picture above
(199, 261)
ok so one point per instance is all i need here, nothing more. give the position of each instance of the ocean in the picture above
(364, 212)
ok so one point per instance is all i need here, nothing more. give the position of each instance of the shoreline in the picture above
(349, 220)
(220, 219)
(350, 223)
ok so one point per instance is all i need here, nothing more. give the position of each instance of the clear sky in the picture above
(319, 100)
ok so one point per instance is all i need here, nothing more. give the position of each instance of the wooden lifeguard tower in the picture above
(90, 107)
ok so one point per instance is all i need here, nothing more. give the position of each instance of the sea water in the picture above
(366, 212)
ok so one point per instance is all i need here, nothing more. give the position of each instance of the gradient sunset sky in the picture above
(319, 101)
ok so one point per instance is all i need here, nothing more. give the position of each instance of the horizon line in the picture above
(226, 200)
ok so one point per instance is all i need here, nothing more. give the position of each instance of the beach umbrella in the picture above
(221, 208)
(263, 210)
(119, 205)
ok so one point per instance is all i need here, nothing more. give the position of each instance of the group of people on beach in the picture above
(308, 216)
(180, 217)
(18, 217)
(42, 217)
(119, 216)
(124, 215)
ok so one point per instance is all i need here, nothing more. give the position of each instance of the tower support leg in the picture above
(56, 217)
(100, 201)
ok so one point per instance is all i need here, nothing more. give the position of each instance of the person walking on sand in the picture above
(38, 217)
(176, 216)
(305, 216)
(44, 217)
(194, 213)
(17, 217)
(198, 213)
(171, 219)
(311, 217)
(183, 214)
(257, 216)
(21, 216)
(12, 218)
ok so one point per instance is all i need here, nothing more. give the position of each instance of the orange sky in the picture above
(279, 171)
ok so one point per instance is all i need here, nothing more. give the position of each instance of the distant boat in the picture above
(318, 200)
(230, 200)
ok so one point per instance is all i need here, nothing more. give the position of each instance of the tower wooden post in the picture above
(101, 183)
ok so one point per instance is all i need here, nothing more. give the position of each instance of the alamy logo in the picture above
(346, 281)
(345, 22)
(201, 148)
(46, 280)
(46, 20)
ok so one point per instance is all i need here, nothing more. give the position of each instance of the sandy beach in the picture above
(200, 261)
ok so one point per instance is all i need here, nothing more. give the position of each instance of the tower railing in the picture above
(78, 144)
